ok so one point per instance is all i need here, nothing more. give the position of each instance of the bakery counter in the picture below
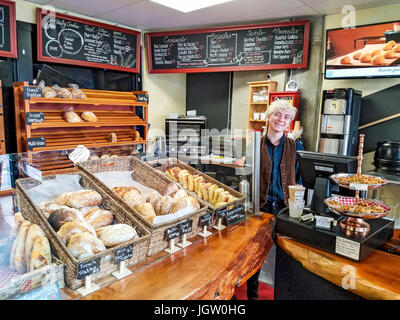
(210, 268)
(376, 277)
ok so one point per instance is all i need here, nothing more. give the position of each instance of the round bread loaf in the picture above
(147, 211)
(60, 216)
(84, 198)
(89, 116)
(98, 218)
(180, 194)
(186, 202)
(83, 245)
(70, 228)
(134, 198)
(152, 195)
(71, 116)
(116, 234)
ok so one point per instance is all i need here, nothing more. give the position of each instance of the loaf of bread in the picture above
(48, 92)
(375, 53)
(389, 54)
(185, 202)
(89, 116)
(41, 253)
(33, 232)
(396, 48)
(70, 228)
(216, 194)
(197, 182)
(60, 216)
(389, 45)
(365, 57)
(152, 195)
(18, 219)
(83, 245)
(345, 60)
(131, 195)
(19, 258)
(164, 205)
(174, 173)
(147, 211)
(98, 218)
(71, 116)
(84, 198)
(378, 60)
(116, 234)
(180, 194)
(62, 199)
(357, 55)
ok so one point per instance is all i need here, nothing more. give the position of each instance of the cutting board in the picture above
(369, 48)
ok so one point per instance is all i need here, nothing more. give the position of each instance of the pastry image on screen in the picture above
(363, 52)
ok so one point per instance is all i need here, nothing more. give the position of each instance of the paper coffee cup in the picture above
(296, 192)
(296, 208)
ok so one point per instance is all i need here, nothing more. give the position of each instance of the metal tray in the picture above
(355, 185)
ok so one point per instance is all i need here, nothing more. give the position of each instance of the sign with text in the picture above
(87, 268)
(282, 45)
(173, 232)
(142, 97)
(38, 142)
(186, 226)
(35, 92)
(8, 31)
(72, 40)
(34, 117)
(123, 254)
(206, 219)
(235, 215)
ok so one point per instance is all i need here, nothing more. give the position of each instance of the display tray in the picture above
(355, 247)
(358, 183)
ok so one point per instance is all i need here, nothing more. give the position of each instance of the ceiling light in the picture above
(186, 5)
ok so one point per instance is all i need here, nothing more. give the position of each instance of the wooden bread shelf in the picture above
(117, 112)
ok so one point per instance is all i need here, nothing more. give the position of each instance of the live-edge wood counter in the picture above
(376, 277)
(209, 269)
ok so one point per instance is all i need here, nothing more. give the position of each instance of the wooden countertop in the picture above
(376, 277)
(210, 268)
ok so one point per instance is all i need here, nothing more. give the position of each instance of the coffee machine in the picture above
(339, 121)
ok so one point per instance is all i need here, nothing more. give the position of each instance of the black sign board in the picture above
(281, 45)
(142, 97)
(206, 219)
(173, 232)
(123, 254)
(72, 40)
(186, 226)
(34, 117)
(234, 215)
(30, 92)
(38, 142)
(8, 38)
(87, 268)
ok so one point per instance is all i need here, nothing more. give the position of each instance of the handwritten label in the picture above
(32, 92)
(172, 233)
(34, 117)
(142, 97)
(122, 254)
(206, 219)
(36, 143)
(323, 222)
(234, 215)
(347, 248)
(81, 153)
(87, 268)
(186, 226)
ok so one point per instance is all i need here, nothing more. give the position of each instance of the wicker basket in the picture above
(151, 178)
(107, 266)
(164, 164)
(47, 275)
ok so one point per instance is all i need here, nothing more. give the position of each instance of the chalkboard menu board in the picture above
(71, 40)
(281, 45)
(8, 34)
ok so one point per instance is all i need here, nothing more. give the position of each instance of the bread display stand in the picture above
(83, 272)
(122, 272)
(147, 176)
(89, 286)
(219, 226)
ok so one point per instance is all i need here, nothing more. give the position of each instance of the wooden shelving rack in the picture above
(116, 113)
(2, 136)
(259, 107)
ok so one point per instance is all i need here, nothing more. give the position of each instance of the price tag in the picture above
(358, 186)
(206, 219)
(34, 117)
(88, 268)
(185, 226)
(235, 215)
(142, 97)
(348, 248)
(81, 153)
(323, 222)
(123, 254)
(36, 142)
(172, 233)
(30, 92)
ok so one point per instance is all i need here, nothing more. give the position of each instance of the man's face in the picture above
(280, 120)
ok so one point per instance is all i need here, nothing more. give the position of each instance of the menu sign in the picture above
(72, 40)
(266, 46)
(8, 33)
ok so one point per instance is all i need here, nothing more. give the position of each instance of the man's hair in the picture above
(281, 105)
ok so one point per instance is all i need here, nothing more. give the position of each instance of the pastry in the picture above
(375, 53)
(89, 116)
(83, 245)
(345, 60)
(18, 219)
(68, 229)
(60, 216)
(357, 55)
(41, 253)
(19, 256)
(191, 182)
(116, 234)
(389, 45)
(147, 211)
(199, 189)
(84, 198)
(365, 57)
(104, 156)
(98, 217)
(71, 116)
(378, 60)
(396, 48)
(180, 194)
(184, 203)
(33, 232)
(389, 54)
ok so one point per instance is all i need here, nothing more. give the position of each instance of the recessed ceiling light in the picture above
(189, 5)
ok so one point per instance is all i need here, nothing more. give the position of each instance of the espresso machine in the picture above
(339, 121)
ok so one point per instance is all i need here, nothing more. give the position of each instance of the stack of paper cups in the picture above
(296, 200)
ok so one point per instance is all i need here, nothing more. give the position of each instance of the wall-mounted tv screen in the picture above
(369, 51)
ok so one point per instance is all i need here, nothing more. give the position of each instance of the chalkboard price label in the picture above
(234, 215)
(122, 254)
(206, 219)
(8, 33)
(143, 97)
(173, 232)
(34, 117)
(186, 226)
(32, 92)
(39, 142)
(87, 268)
